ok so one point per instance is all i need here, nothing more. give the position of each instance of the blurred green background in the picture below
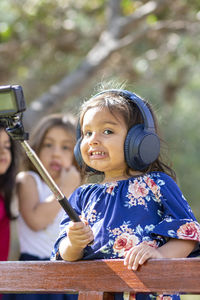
(60, 51)
(152, 46)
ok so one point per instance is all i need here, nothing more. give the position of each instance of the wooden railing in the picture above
(100, 279)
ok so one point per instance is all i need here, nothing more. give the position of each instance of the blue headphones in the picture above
(142, 145)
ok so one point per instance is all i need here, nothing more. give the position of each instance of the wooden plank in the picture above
(162, 276)
(95, 296)
(90, 295)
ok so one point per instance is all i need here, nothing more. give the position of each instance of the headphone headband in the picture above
(146, 114)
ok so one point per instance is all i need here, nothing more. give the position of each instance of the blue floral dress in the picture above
(145, 209)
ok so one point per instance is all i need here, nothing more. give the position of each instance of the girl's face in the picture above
(56, 151)
(5, 152)
(102, 146)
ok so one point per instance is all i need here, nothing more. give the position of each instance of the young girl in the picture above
(8, 168)
(40, 213)
(137, 212)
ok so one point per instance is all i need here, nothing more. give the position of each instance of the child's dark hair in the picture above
(65, 121)
(8, 179)
(129, 111)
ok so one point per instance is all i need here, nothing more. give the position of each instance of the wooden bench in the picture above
(100, 279)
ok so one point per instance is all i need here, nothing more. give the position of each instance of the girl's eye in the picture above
(107, 131)
(66, 148)
(7, 146)
(47, 145)
(87, 133)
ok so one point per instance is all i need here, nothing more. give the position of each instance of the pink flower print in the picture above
(152, 185)
(138, 189)
(189, 231)
(124, 242)
(111, 188)
(151, 243)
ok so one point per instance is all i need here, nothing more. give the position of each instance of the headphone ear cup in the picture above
(77, 153)
(141, 147)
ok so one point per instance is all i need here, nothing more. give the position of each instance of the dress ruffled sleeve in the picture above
(178, 220)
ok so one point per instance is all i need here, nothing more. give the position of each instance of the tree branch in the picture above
(109, 41)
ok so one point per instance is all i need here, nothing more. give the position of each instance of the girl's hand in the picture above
(79, 234)
(69, 180)
(139, 254)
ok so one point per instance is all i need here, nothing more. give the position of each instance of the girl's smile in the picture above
(102, 146)
(95, 154)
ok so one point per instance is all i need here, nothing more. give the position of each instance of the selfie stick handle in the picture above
(49, 181)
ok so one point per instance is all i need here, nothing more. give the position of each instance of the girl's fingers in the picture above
(144, 258)
(130, 257)
(78, 226)
(134, 263)
(83, 242)
(79, 234)
(140, 259)
(80, 240)
(137, 256)
(75, 225)
(127, 257)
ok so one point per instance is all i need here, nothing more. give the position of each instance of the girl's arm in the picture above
(39, 215)
(174, 248)
(79, 235)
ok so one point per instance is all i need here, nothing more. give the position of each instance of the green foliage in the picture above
(181, 126)
(48, 38)
(129, 6)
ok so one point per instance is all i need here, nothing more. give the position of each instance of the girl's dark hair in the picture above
(7, 180)
(129, 111)
(65, 121)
